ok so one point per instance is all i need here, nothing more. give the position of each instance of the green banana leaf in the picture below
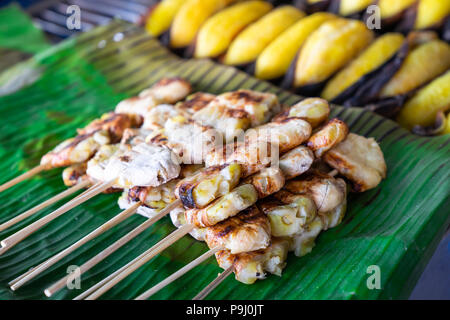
(395, 226)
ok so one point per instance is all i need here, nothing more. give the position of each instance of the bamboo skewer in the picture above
(178, 274)
(43, 205)
(32, 172)
(112, 248)
(103, 228)
(141, 260)
(210, 287)
(12, 240)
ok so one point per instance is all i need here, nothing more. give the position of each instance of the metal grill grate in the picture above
(52, 15)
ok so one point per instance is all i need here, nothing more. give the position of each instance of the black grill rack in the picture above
(51, 15)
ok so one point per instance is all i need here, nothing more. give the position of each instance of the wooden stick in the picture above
(178, 274)
(12, 240)
(43, 205)
(103, 228)
(112, 248)
(138, 262)
(210, 287)
(24, 176)
(31, 270)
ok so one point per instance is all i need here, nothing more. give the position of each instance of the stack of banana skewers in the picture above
(327, 54)
(272, 187)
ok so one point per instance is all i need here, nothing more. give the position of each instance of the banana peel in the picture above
(426, 15)
(382, 51)
(313, 6)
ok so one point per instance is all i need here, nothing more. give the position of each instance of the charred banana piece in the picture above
(247, 231)
(290, 214)
(313, 110)
(327, 137)
(223, 208)
(251, 266)
(201, 189)
(296, 162)
(360, 160)
(260, 106)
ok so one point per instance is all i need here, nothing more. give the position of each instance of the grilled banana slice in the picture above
(252, 40)
(376, 55)
(422, 65)
(75, 150)
(328, 49)
(97, 165)
(286, 133)
(201, 189)
(136, 105)
(168, 90)
(296, 162)
(191, 140)
(154, 197)
(179, 220)
(313, 110)
(157, 117)
(327, 137)
(260, 106)
(289, 216)
(196, 102)
(360, 160)
(218, 31)
(335, 216)
(303, 242)
(190, 17)
(422, 108)
(431, 13)
(143, 165)
(251, 266)
(114, 123)
(252, 155)
(327, 192)
(74, 174)
(267, 181)
(231, 123)
(247, 231)
(161, 16)
(221, 209)
(274, 60)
